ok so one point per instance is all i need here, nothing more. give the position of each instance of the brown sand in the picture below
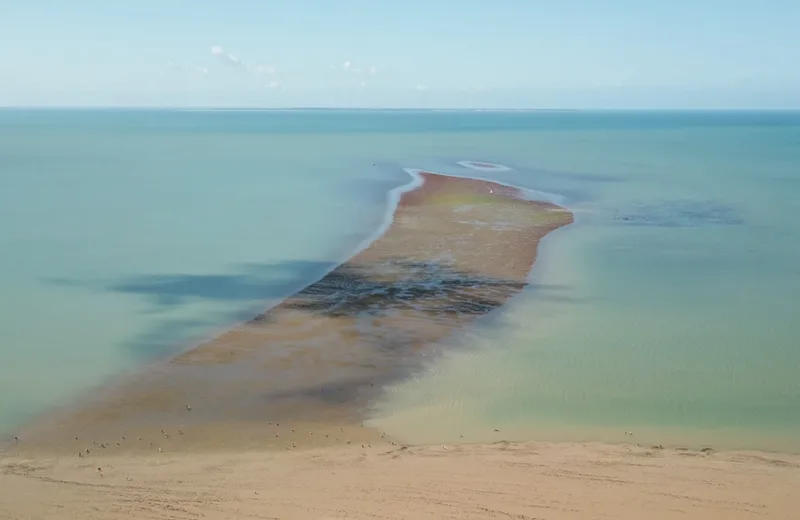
(526, 481)
(263, 421)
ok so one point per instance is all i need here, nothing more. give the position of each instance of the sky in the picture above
(412, 53)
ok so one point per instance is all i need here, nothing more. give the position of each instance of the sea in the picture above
(668, 313)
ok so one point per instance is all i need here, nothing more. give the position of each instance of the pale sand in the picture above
(525, 481)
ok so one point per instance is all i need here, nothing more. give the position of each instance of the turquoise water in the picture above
(669, 308)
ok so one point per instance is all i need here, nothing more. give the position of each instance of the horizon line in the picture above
(397, 109)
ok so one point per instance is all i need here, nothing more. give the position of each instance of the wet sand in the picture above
(456, 250)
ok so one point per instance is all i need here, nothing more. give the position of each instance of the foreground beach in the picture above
(521, 481)
(265, 421)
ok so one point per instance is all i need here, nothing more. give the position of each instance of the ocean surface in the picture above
(668, 313)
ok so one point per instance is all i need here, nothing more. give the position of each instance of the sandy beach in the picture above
(521, 481)
(265, 421)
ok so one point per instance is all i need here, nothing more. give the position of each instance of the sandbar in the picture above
(456, 249)
(264, 421)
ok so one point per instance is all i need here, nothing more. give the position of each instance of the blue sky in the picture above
(409, 53)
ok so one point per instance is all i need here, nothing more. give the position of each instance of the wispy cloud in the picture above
(422, 88)
(234, 61)
(348, 66)
(227, 57)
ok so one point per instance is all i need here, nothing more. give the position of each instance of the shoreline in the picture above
(429, 269)
(264, 419)
(554, 481)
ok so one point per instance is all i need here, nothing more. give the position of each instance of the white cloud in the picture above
(227, 57)
(235, 61)
(422, 88)
(200, 70)
(274, 85)
(358, 71)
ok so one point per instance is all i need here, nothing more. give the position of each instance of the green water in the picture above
(679, 325)
(669, 309)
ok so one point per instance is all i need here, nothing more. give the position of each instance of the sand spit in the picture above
(456, 250)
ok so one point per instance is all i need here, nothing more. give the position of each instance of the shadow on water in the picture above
(433, 291)
(248, 283)
(246, 289)
(171, 335)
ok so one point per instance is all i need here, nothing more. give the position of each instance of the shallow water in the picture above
(669, 307)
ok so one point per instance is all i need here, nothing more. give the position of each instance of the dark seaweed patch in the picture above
(434, 287)
(434, 291)
(681, 213)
